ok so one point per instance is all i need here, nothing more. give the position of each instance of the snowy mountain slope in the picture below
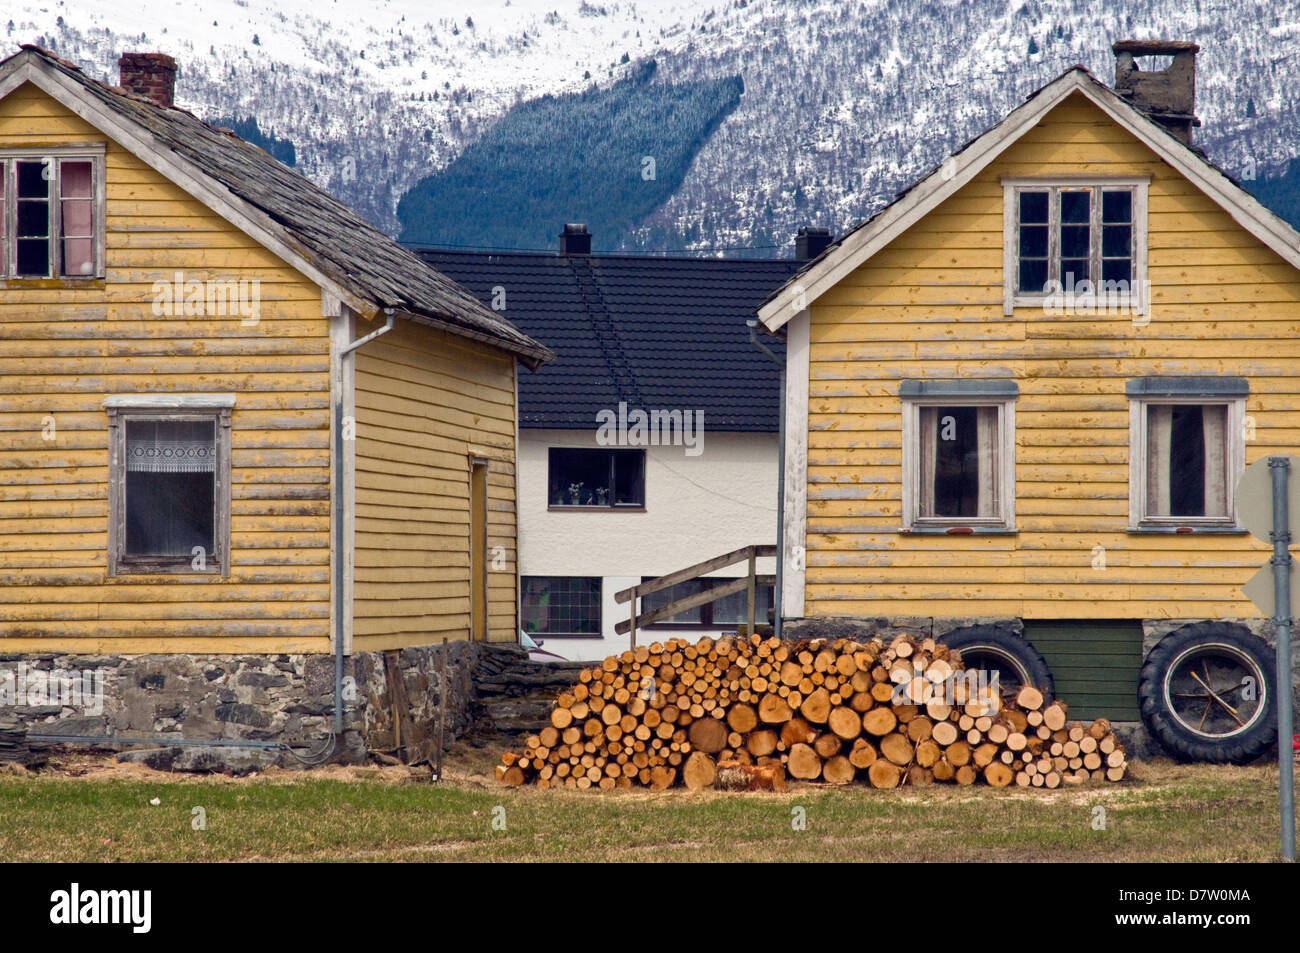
(844, 103)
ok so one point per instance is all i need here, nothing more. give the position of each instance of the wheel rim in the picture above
(1011, 672)
(1206, 690)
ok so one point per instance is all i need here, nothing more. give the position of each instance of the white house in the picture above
(650, 444)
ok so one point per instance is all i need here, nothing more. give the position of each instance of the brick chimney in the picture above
(575, 240)
(811, 241)
(1168, 95)
(150, 75)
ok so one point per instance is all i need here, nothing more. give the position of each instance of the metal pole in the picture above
(1279, 470)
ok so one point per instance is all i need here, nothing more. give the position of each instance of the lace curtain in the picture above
(163, 446)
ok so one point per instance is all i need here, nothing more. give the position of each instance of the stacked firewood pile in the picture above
(745, 713)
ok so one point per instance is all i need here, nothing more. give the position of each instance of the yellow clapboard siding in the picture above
(426, 403)
(929, 305)
(64, 348)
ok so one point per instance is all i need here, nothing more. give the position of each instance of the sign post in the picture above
(1279, 530)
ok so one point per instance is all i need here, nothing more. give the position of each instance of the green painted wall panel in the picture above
(1095, 665)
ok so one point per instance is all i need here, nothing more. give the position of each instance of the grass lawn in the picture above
(99, 811)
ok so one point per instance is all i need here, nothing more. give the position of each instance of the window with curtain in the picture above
(54, 227)
(1187, 461)
(170, 487)
(959, 462)
(958, 454)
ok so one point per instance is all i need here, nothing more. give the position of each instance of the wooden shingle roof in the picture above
(356, 257)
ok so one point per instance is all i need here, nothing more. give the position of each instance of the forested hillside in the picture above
(606, 157)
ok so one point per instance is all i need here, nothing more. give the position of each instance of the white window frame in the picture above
(9, 157)
(1234, 463)
(1005, 520)
(1136, 301)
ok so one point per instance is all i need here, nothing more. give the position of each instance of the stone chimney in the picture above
(575, 240)
(1167, 95)
(810, 242)
(150, 75)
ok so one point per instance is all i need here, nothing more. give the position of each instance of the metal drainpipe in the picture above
(340, 571)
(777, 597)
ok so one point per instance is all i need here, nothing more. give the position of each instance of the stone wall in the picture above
(391, 702)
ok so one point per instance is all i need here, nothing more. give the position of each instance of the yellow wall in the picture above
(929, 305)
(426, 402)
(63, 350)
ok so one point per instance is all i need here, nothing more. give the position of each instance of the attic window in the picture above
(1075, 245)
(52, 213)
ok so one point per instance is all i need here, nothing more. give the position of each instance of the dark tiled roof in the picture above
(335, 239)
(658, 333)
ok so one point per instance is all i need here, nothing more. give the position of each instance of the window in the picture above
(1188, 450)
(169, 484)
(1079, 243)
(727, 612)
(53, 214)
(958, 460)
(596, 478)
(560, 605)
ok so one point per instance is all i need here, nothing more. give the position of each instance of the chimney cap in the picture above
(1154, 47)
(575, 239)
(162, 60)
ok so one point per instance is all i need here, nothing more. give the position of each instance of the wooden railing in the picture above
(749, 583)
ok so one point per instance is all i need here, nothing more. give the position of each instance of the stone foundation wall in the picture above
(391, 702)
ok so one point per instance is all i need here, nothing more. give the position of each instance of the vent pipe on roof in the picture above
(810, 242)
(149, 75)
(1167, 95)
(575, 240)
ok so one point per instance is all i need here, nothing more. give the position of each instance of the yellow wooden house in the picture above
(196, 453)
(1020, 396)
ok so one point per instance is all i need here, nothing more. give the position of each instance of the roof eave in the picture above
(859, 246)
(533, 355)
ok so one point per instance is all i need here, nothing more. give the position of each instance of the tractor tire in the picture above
(1207, 692)
(1016, 660)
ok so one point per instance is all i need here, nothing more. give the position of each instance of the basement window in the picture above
(596, 478)
(958, 460)
(724, 613)
(169, 488)
(53, 214)
(560, 605)
(1078, 245)
(1188, 451)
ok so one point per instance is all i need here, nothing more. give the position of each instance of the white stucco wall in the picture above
(697, 507)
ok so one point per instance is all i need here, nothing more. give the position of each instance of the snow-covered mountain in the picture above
(844, 102)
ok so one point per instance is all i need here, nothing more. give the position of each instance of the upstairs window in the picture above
(1078, 244)
(53, 215)
(1188, 451)
(958, 466)
(598, 478)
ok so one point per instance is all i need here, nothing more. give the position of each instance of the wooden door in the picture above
(478, 550)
